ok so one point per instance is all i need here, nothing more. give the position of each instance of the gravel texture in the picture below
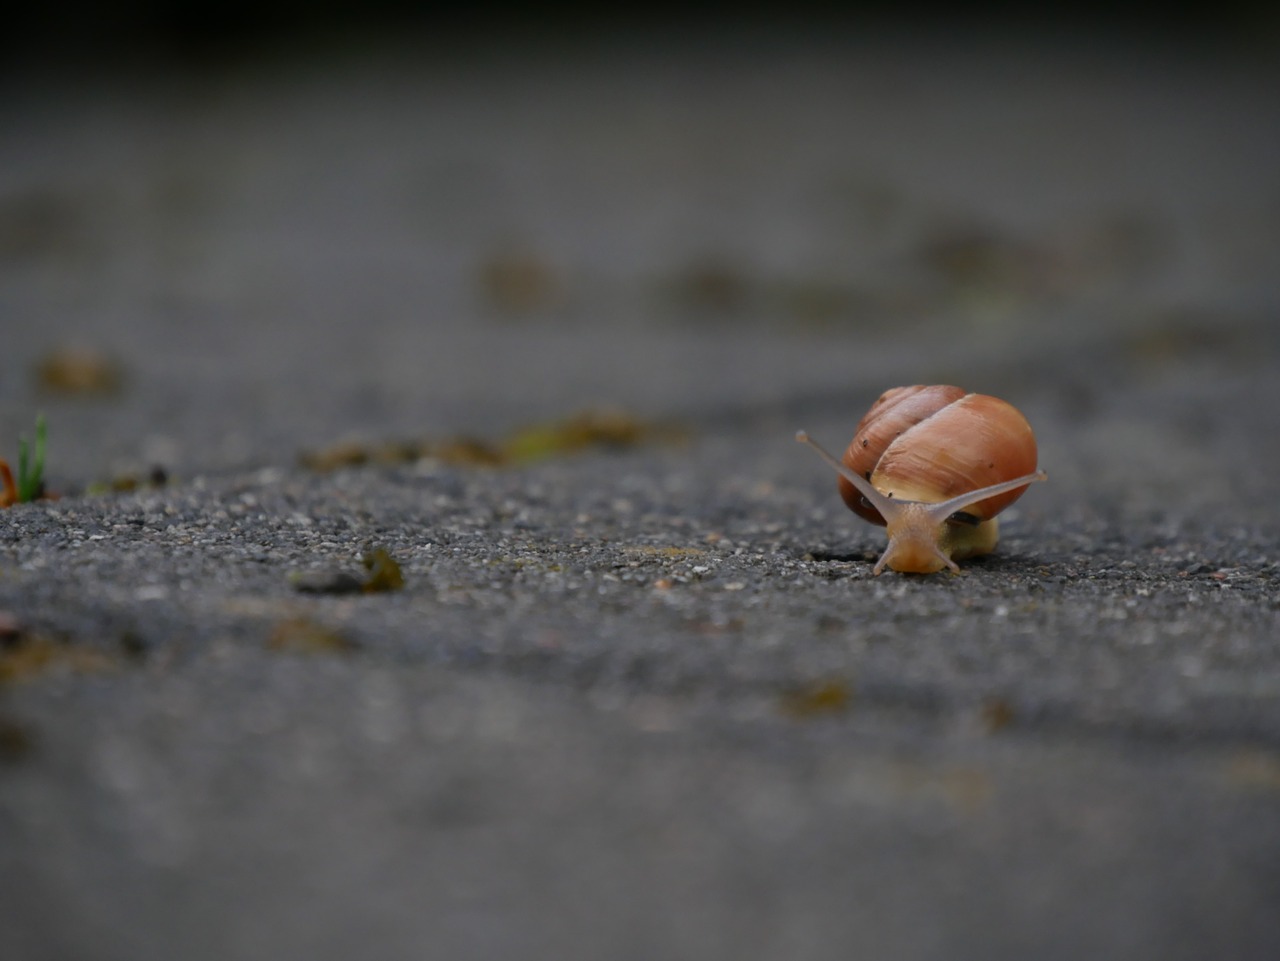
(640, 699)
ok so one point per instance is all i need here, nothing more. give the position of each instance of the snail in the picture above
(935, 465)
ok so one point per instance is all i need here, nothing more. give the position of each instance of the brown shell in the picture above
(931, 443)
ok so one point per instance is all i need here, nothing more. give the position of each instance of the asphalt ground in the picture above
(539, 323)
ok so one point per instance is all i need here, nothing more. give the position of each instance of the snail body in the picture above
(934, 465)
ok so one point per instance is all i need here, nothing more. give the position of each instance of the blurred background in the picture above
(232, 232)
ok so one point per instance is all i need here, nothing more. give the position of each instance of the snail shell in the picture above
(932, 443)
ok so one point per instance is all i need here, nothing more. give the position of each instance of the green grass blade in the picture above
(31, 475)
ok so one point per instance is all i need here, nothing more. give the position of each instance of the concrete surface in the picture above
(642, 701)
